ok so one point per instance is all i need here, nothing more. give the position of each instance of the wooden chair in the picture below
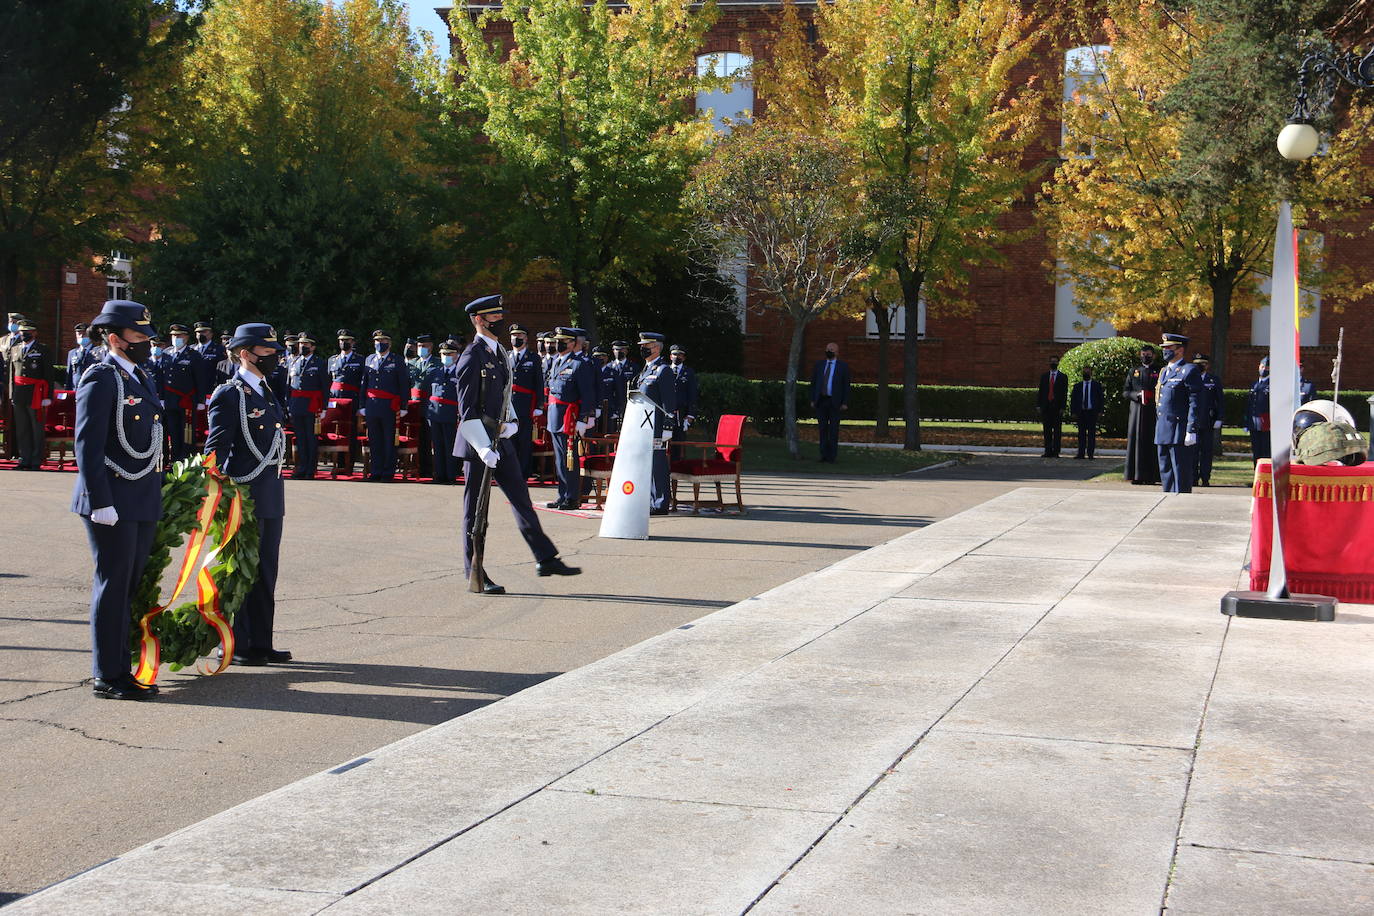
(541, 454)
(408, 437)
(596, 464)
(720, 463)
(59, 426)
(336, 428)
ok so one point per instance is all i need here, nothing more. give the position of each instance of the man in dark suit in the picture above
(1085, 404)
(1179, 414)
(118, 490)
(1257, 413)
(830, 398)
(527, 392)
(1050, 401)
(247, 436)
(1209, 426)
(486, 425)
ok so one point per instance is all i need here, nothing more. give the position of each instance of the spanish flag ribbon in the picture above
(150, 655)
(207, 592)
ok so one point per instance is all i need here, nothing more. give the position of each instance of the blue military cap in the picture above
(1174, 340)
(124, 313)
(563, 333)
(379, 334)
(620, 343)
(1201, 358)
(600, 348)
(175, 328)
(677, 349)
(305, 337)
(205, 326)
(449, 346)
(484, 306)
(255, 335)
(517, 328)
(344, 334)
(577, 332)
(424, 338)
(1265, 362)
(647, 337)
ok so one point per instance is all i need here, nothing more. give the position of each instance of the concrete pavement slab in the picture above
(575, 853)
(922, 552)
(1214, 882)
(978, 824)
(827, 598)
(980, 578)
(92, 896)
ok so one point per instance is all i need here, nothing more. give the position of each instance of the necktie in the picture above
(1087, 395)
(829, 377)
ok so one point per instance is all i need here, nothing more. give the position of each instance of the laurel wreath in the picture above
(182, 631)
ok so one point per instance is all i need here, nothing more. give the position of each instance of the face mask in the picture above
(646, 352)
(496, 328)
(138, 352)
(677, 360)
(157, 351)
(307, 350)
(620, 356)
(424, 352)
(203, 338)
(13, 327)
(382, 346)
(518, 343)
(345, 346)
(267, 364)
(178, 343)
(830, 355)
(448, 359)
(561, 346)
(1264, 373)
(84, 341)
(28, 336)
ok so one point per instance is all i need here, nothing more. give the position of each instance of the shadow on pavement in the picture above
(630, 599)
(297, 687)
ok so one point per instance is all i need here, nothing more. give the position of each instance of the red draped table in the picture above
(1328, 537)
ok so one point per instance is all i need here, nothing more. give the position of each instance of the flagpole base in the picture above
(1317, 608)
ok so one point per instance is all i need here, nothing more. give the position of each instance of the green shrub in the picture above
(1111, 359)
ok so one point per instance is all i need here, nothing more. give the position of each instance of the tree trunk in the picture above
(583, 308)
(911, 302)
(1222, 290)
(9, 284)
(789, 390)
(882, 317)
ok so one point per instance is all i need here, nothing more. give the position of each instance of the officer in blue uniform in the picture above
(118, 490)
(248, 439)
(656, 381)
(684, 391)
(185, 385)
(616, 377)
(1213, 406)
(571, 411)
(206, 345)
(346, 371)
(486, 426)
(1179, 398)
(227, 367)
(80, 357)
(1257, 413)
(386, 391)
(442, 412)
(527, 394)
(309, 380)
(154, 366)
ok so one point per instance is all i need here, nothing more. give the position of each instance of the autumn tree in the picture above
(790, 204)
(308, 189)
(928, 98)
(1164, 206)
(588, 117)
(82, 85)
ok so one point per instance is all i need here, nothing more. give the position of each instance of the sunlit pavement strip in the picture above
(1033, 706)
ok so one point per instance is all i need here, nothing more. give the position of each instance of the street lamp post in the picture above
(1320, 73)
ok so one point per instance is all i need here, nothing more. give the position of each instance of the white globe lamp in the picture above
(1298, 140)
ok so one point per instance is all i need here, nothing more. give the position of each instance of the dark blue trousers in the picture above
(1176, 463)
(1087, 433)
(660, 491)
(441, 438)
(508, 478)
(175, 425)
(120, 552)
(307, 445)
(569, 481)
(1206, 445)
(828, 422)
(253, 621)
(381, 442)
(1259, 445)
(524, 446)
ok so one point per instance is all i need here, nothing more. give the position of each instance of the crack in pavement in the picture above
(85, 734)
(41, 693)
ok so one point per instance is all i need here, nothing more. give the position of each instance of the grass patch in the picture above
(765, 453)
(1226, 472)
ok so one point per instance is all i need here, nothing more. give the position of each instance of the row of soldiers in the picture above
(563, 388)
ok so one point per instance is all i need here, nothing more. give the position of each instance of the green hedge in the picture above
(762, 402)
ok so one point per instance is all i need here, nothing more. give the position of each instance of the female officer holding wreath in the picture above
(119, 485)
(249, 445)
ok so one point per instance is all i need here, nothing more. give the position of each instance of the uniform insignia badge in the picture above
(131, 400)
(255, 413)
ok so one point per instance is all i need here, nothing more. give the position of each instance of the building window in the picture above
(1309, 311)
(118, 276)
(735, 268)
(1070, 324)
(897, 321)
(1082, 67)
(733, 103)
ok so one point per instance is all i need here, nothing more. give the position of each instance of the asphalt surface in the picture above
(372, 602)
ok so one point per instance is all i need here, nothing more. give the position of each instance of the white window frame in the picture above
(1309, 308)
(1070, 324)
(897, 321)
(727, 64)
(1082, 66)
(118, 275)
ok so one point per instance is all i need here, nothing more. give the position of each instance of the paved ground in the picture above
(1032, 707)
(372, 603)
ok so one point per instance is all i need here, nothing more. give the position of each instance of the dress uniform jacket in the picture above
(1180, 410)
(28, 374)
(309, 380)
(684, 392)
(213, 351)
(572, 387)
(656, 382)
(346, 372)
(441, 412)
(386, 391)
(527, 393)
(79, 359)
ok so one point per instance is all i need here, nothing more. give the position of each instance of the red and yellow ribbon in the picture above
(207, 599)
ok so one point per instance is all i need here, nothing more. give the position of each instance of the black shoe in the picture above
(249, 658)
(491, 588)
(126, 689)
(276, 656)
(1077, 457)
(556, 567)
(556, 504)
(659, 511)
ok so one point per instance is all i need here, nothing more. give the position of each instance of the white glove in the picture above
(687, 423)
(1190, 439)
(584, 425)
(538, 412)
(509, 428)
(667, 434)
(400, 413)
(489, 456)
(1216, 425)
(200, 407)
(106, 516)
(47, 402)
(362, 411)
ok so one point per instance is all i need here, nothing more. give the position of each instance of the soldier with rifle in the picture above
(486, 424)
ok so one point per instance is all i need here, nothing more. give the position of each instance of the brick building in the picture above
(1022, 317)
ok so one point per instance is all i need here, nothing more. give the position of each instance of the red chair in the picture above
(596, 464)
(336, 425)
(720, 463)
(59, 425)
(408, 432)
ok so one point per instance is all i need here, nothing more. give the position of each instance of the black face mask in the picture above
(268, 364)
(677, 360)
(620, 355)
(561, 346)
(28, 336)
(829, 354)
(138, 352)
(306, 351)
(496, 328)
(517, 342)
(646, 352)
(345, 346)
(203, 338)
